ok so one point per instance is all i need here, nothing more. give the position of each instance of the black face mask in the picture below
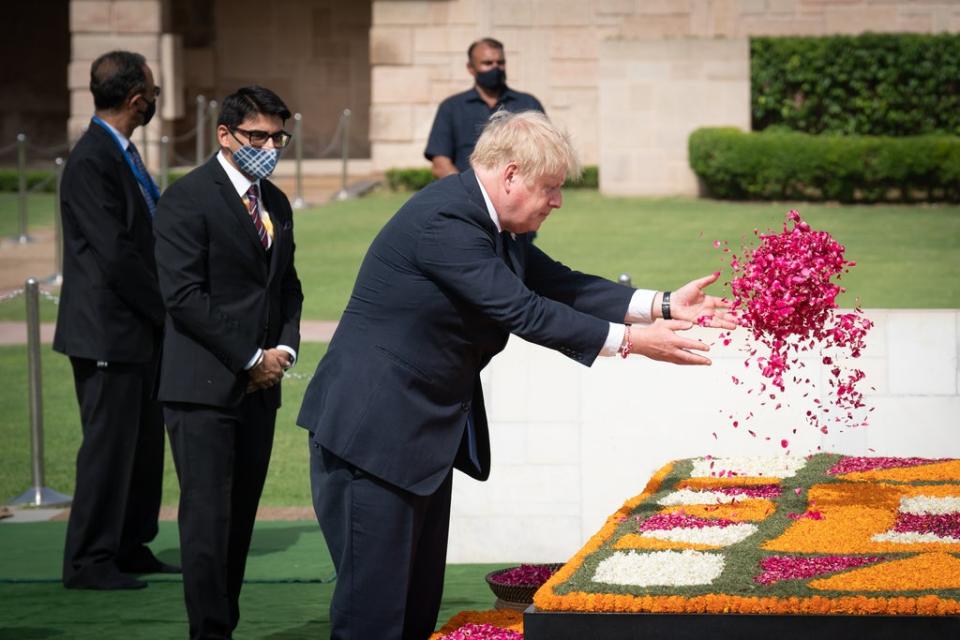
(148, 114)
(492, 79)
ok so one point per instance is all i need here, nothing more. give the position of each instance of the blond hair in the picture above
(529, 140)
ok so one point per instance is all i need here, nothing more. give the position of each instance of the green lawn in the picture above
(907, 257)
(39, 212)
(287, 482)
(662, 243)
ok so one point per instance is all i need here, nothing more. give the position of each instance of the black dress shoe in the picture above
(143, 561)
(103, 578)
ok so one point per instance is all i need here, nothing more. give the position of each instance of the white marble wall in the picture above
(570, 444)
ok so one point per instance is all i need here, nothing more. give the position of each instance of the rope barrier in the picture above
(40, 186)
(10, 295)
(48, 150)
(185, 136)
(49, 297)
(182, 160)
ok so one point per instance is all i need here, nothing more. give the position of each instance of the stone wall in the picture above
(653, 94)
(570, 444)
(99, 26)
(34, 79)
(313, 53)
(559, 51)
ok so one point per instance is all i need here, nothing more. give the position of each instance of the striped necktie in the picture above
(138, 163)
(253, 208)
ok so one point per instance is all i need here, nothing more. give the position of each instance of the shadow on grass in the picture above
(276, 540)
(312, 630)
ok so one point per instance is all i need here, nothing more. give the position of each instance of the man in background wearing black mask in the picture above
(462, 117)
(110, 324)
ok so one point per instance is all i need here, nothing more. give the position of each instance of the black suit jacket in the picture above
(225, 295)
(433, 302)
(110, 305)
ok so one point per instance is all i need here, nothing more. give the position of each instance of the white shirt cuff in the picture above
(293, 354)
(641, 306)
(614, 339)
(253, 360)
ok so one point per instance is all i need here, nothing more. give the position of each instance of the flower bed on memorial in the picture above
(501, 624)
(825, 534)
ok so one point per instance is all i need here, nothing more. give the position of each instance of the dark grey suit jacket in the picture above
(434, 301)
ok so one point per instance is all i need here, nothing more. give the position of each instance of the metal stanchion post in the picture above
(344, 154)
(57, 277)
(624, 279)
(22, 237)
(298, 202)
(164, 163)
(201, 104)
(213, 112)
(37, 495)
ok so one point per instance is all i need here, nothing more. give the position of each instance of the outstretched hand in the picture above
(690, 303)
(660, 341)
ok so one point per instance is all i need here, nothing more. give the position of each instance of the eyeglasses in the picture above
(259, 138)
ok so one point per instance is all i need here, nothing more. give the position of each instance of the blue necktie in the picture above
(138, 163)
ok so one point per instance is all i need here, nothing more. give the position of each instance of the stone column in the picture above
(99, 26)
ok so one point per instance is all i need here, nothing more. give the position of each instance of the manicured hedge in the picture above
(872, 84)
(412, 179)
(781, 165)
(417, 178)
(10, 181)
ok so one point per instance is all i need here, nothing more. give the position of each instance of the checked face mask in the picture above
(257, 162)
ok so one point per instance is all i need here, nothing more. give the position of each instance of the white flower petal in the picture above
(717, 536)
(768, 467)
(660, 568)
(930, 505)
(910, 537)
(688, 496)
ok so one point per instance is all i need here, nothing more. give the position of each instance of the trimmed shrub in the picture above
(871, 84)
(783, 165)
(414, 179)
(38, 181)
(590, 179)
(410, 179)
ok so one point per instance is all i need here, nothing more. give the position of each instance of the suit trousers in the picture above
(221, 456)
(119, 469)
(389, 547)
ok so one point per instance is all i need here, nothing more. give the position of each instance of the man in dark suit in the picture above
(396, 403)
(225, 258)
(109, 322)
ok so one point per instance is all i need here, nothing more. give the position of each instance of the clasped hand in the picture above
(689, 305)
(269, 370)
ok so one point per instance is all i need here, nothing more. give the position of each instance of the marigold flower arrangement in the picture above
(824, 534)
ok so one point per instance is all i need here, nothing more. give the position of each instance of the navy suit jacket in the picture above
(225, 296)
(434, 301)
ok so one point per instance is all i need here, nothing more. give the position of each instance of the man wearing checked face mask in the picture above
(461, 118)
(224, 248)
